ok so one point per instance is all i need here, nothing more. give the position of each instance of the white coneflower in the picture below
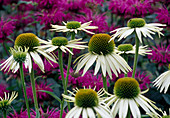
(139, 26)
(87, 102)
(163, 81)
(29, 42)
(127, 96)
(129, 49)
(74, 26)
(7, 100)
(102, 51)
(63, 44)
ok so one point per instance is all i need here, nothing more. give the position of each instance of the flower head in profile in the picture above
(127, 95)
(29, 43)
(163, 81)
(18, 56)
(87, 102)
(102, 51)
(129, 49)
(139, 26)
(7, 100)
(74, 26)
(63, 44)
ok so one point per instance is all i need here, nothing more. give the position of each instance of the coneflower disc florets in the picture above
(73, 25)
(136, 22)
(99, 43)
(59, 41)
(28, 40)
(126, 88)
(86, 98)
(125, 47)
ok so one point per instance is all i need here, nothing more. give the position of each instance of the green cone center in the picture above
(28, 40)
(125, 47)
(73, 25)
(19, 56)
(136, 22)
(86, 98)
(59, 41)
(99, 43)
(126, 88)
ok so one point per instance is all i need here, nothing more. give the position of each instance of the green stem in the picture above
(69, 65)
(62, 107)
(126, 59)
(105, 83)
(136, 55)
(128, 114)
(4, 114)
(24, 88)
(62, 76)
(33, 88)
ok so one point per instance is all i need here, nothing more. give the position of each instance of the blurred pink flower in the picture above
(130, 8)
(21, 114)
(53, 113)
(42, 96)
(6, 28)
(163, 15)
(3, 87)
(160, 54)
(76, 80)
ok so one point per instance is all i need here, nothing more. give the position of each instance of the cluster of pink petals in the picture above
(130, 8)
(160, 54)
(142, 78)
(6, 28)
(76, 80)
(163, 15)
(42, 96)
(53, 113)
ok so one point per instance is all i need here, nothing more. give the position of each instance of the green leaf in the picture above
(37, 114)
(52, 94)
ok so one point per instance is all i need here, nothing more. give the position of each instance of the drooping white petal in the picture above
(90, 113)
(134, 109)
(84, 114)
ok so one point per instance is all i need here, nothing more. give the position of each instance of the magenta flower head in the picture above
(142, 78)
(6, 28)
(163, 15)
(76, 80)
(160, 54)
(42, 96)
(53, 113)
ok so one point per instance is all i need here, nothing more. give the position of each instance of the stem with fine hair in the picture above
(33, 88)
(62, 76)
(136, 55)
(24, 88)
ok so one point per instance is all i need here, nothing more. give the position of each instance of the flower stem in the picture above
(33, 88)
(105, 83)
(62, 107)
(126, 59)
(4, 114)
(69, 64)
(24, 88)
(128, 114)
(136, 55)
(62, 76)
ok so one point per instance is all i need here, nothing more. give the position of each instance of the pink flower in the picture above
(160, 54)
(48, 68)
(21, 114)
(6, 28)
(163, 15)
(142, 78)
(42, 96)
(76, 80)
(53, 113)
(130, 8)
